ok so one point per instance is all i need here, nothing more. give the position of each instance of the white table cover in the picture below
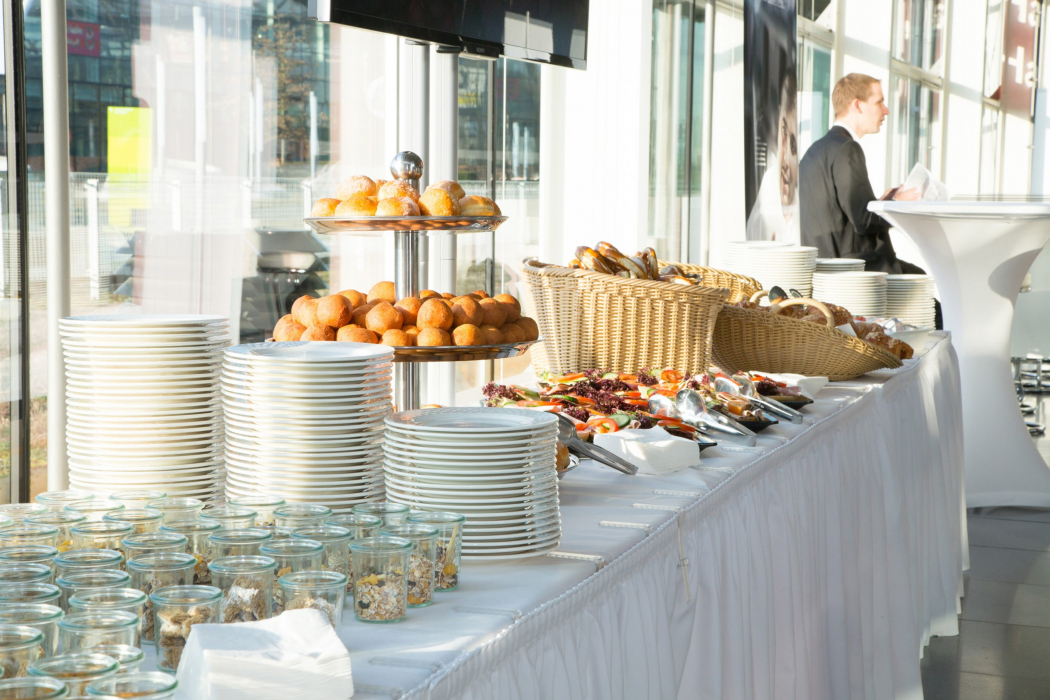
(815, 567)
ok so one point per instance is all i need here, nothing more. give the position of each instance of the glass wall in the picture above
(814, 99)
(916, 135)
(918, 33)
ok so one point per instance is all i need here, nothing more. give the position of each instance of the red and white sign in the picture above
(82, 38)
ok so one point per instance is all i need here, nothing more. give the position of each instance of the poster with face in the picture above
(771, 120)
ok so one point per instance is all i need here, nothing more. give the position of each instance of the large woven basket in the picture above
(590, 320)
(740, 286)
(749, 339)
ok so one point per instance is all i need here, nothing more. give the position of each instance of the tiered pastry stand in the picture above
(409, 234)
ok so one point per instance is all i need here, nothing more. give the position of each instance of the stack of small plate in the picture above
(839, 265)
(304, 421)
(143, 403)
(494, 465)
(910, 299)
(861, 293)
(773, 263)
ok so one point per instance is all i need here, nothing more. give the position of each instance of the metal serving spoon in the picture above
(746, 388)
(567, 434)
(692, 409)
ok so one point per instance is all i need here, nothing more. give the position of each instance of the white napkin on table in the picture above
(655, 451)
(296, 654)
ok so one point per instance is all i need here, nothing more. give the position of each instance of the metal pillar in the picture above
(706, 170)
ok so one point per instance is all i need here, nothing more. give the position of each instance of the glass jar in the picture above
(336, 541)
(61, 520)
(25, 573)
(28, 554)
(295, 515)
(291, 555)
(391, 513)
(29, 534)
(40, 616)
(198, 544)
(56, 501)
(279, 533)
(178, 609)
(317, 590)
(421, 563)
(6, 521)
(247, 587)
(30, 593)
(76, 669)
(238, 543)
(88, 560)
(36, 688)
(18, 512)
(154, 543)
(144, 686)
(144, 520)
(20, 646)
(94, 510)
(176, 509)
(130, 658)
(87, 629)
(360, 525)
(152, 571)
(136, 498)
(230, 517)
(263, 506)
(76, 581)
(100, 535)
(449, 546)
(129, 600)
(380, 578)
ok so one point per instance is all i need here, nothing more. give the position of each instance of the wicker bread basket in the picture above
(749, 339)
(592, 320)
(740, 286)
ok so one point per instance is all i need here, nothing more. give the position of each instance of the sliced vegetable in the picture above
(622, 419)
(603, 425)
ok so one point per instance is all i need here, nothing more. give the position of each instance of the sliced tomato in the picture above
(671, 375)
(630, 394)
(667, 392)
(637, 402)
(532, 403)
(572, 377)
(629, 378)
(676, 425)
(603, 424)
(584, 401)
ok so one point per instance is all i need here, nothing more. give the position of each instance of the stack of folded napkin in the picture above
(654, 451)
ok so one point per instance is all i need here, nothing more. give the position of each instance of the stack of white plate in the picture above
(304, 421)
(861, 293)
(772, 263)
(143, 406)
(494, 465)
(910, 299)
(839, 265)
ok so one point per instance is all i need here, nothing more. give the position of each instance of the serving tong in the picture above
(582, 448)
(689, 407)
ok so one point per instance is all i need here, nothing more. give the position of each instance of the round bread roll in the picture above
(357, 205)
(382, 291)
(412, 332)
(360, 313)
(325, 207)
(396, 338)
(282, 322)
(409, 307)
(473, 205)
(532, 331)
(492, 335)
(290, 331)
(468, 334)
(379, 185)
(433, 337)
(355, 297)
(298, 303)
(335, 311)
(438, 202)
(452, 187)
(356, 334)
(496, 210)
(394, 189)
(306, 314)
(512, 333)
(397, 206)
(495, 312)
(466, 310)
(382, 318)
(427, 293)
(448, 296)
(480, 294)
(512, 304)
(434, 313)
(319, 332)
(356, 184)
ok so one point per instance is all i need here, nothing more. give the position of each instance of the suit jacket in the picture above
(834, 192)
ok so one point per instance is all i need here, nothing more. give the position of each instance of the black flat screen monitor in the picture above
(548, 31)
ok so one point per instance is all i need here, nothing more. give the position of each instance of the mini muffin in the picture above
(360, 314)
(438, 202)
(396, 338)
(411, 331)
(492, 335)
(473, 205)
(532, 331)
(427, 293)
(357, 205)
(409, 307)
(434, 313)
(382, 291)
(335, 311)
(433, 337)
(382, 318)
(480, 294)
(355, 297)
(452, 187)
(512, 333)
(397, 206)
(466, 310)
(495, 312)
(289, 331)
(394, 189)
(356, 184)
(468, 334)
(319, 332)
(325, 207)
(306, 314)
(353, 334)
(513, 306)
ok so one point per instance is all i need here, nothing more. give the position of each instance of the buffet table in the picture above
(815, 566)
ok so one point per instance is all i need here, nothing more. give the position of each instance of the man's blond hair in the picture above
(855, 86)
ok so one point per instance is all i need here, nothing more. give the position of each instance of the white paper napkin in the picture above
(296, 654)
(655, 451)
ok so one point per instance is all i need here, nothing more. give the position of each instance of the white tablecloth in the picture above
(817, 567)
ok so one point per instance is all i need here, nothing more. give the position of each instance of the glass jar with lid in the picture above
(239, 543)
(295, 515)
(101, 535)
(154, 543)
(20, 646)
(130, 658)
(336, 541)
(291, 555)
(40, 616)
(156, 685)
(421, 563)
(56, 501)
(76, 581)
(36, 688)
(263, 506)
(175, 509)
(18, 512)
(29, 534)
(94, 510)
(136, 498)
(130, 600)
(87, 560)
(317, 590)
(198, 544)
(449, 546)
(177, 610)
(391, 513)
(30, 593)
(152, 571)
(381, 578)
(61, 520)
(28, 554)
(25, 573)
(87, 629)
(360, 526)
(246, 583)
(144, 520)
(230, 517)
(76, 669)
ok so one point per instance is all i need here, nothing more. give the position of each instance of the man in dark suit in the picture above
(834, 189)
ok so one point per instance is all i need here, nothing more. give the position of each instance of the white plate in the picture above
(456, 440)
(508, 504)
(178, 417)
(306, 374)
(308, 407)
(463, 477)
(295, 393)
(485, 469)
(145, 363)
(542, 551)
(473, 420)
(357, 483)
(150, 320)
(300, 351)
(495, 534)
(539, 485)
(293, 437)
(503, 456)
(277, 464)
(515, 537)
(420, 442)
(481, 547)
(263, 451)
(324, 429)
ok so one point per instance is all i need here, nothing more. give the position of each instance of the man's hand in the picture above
(911, 195)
